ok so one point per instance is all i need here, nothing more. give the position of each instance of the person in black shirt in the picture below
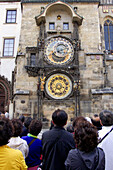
(56, 143)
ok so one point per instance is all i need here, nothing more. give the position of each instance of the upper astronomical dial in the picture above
(58, 51)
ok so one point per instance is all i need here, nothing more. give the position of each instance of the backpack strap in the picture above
(105, 135)
(31, 142)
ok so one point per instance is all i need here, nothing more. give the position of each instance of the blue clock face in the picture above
(58, 51)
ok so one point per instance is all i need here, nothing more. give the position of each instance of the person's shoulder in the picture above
(101, 133)
(73, 152)
(24, 137)
(14, 152)
(39, 140)
(101, 152)
(68, 134)
(100, 149)
(101, 130)
(23, 141)
(47, 132)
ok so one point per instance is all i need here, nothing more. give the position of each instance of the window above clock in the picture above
(51, 26)
(65, 26)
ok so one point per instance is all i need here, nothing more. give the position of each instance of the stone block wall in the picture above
(50, 106)
(29, 30)
(89, 32)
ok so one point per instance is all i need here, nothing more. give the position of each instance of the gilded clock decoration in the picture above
(58, 86)
(58, 51)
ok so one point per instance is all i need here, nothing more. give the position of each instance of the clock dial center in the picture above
(58, 51)
(58, 86)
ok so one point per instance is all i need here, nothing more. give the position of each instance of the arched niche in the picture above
(58, 8)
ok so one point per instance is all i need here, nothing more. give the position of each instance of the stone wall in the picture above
(89, 30)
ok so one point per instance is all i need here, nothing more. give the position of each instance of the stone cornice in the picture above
(107, 90)
(49, 1)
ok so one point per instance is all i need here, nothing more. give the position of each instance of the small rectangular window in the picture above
(11, 16)
(52, 26)
(65, 26)
(8, 47)
(33, 59)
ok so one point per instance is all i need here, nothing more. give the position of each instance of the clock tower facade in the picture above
(59, 60)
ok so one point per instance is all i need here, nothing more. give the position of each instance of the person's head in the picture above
(27, 122)
(35, 127)
(96, 121)
(77, 120)
(17, 127)
(59, 117)
(106, 117)
(86, 136)
(22, 118)
(6, 130)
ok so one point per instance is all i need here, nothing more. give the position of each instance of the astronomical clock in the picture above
(58, 52)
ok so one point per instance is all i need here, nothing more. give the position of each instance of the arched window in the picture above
(108, 35)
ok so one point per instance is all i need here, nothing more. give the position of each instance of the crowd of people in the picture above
(85, 144)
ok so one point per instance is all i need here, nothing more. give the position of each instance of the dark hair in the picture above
(96, 121)
(35, 127)
(86, 136)
(6, 130)
(22, 118)
(59, 117)
(97, 124)
(27, 122)
(77, 120)
(96, 115)
(17, 127)
(106, 117)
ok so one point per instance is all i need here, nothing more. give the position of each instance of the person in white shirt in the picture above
(16, 142)
(106, 137)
